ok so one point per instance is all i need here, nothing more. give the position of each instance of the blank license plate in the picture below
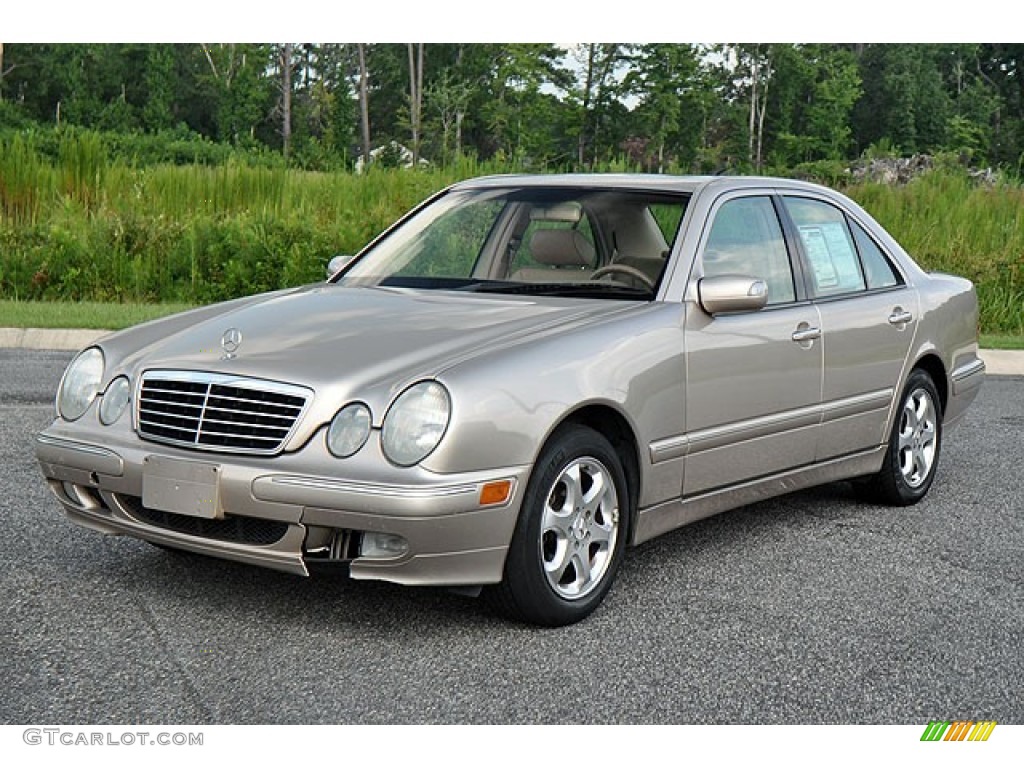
(184, 487)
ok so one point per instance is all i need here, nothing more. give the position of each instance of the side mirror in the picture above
(732, 293)
(337, 264)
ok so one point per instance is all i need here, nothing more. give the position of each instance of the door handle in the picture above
(900, 316)
(806, 334)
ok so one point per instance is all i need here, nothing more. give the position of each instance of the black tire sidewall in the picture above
(525, 580)
(894, 485)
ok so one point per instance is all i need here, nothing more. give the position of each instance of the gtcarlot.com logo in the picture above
(958, 730)
(73, 738)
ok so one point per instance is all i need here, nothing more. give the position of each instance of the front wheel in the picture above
(571, 532)
(913, 455)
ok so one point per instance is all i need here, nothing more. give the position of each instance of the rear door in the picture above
(868, 318)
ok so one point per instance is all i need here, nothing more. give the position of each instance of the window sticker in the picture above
(832, 257)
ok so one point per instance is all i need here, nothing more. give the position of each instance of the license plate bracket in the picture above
(183, 487)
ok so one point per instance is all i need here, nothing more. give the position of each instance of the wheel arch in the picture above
(931, 364)
(611, 424)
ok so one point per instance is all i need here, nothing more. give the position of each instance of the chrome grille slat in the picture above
(215, 412)
(168, 409)
(236, 399)
(222, 409)
(157, 401)
(209, 432)
(169, 425)
(282, 428)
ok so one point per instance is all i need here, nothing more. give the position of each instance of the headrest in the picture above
(561, 248)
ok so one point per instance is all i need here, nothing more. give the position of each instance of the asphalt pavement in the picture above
(813, 608)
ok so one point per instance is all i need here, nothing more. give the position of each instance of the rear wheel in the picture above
(571, 533)
(913, 454)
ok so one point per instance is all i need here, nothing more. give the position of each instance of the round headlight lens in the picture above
(80, 384)
(416, 423)
(349, 430)
(115, 400)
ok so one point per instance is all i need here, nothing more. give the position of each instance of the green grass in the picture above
(950, 225)
(83, 314)
(81, 227)
(995, 341)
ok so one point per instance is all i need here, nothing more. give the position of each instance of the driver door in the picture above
(753, 387)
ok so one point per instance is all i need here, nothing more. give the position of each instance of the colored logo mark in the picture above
(958, 730)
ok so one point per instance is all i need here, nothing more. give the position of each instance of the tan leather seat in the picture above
(567, 255)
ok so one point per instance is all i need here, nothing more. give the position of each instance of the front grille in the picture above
(212, 412)
(241, 530)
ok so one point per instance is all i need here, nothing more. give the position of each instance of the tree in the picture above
(598, 64)
(816, 87)
(364, 107)
(663, 77)
(285, 64)
(415, 97)
(239, 89)
(1001, 67)
(520, 118)
(446, 99)
(159, 77)
(904, 99)
(753, 71)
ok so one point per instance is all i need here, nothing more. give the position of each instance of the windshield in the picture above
(558, 241)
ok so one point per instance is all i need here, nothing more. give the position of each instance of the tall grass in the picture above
(950, 225)
(26, 181)
(80, 226)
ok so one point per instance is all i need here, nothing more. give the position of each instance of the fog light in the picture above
(382, 545)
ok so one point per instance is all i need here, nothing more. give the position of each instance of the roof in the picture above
(659, 182)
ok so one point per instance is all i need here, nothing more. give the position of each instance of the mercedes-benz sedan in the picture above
(520, 379)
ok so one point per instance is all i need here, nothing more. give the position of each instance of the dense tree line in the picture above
(668, 107)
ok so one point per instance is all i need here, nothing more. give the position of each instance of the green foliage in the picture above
(82, 165)
(950, 225)
(132, 171)
(735, 107)
(905, 98)
(85, 228)
(663, 77)
(88, 228)
(26, 183)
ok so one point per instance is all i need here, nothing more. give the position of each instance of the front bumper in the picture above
(291, 512)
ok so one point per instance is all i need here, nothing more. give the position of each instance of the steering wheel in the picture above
(624, 269)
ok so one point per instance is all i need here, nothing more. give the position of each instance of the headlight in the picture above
(80, 384)
(416, 423)
(349, 430)
(115, 400)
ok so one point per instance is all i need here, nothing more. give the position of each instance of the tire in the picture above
(912, 458)
(571, 534)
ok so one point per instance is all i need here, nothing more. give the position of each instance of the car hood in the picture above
(346, 342)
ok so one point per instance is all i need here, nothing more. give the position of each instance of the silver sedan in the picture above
(519, 379)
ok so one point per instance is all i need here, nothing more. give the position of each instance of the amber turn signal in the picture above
(495, 493)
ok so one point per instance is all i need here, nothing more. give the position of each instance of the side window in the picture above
(877, 269)
(746, 239)
(831, 253)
